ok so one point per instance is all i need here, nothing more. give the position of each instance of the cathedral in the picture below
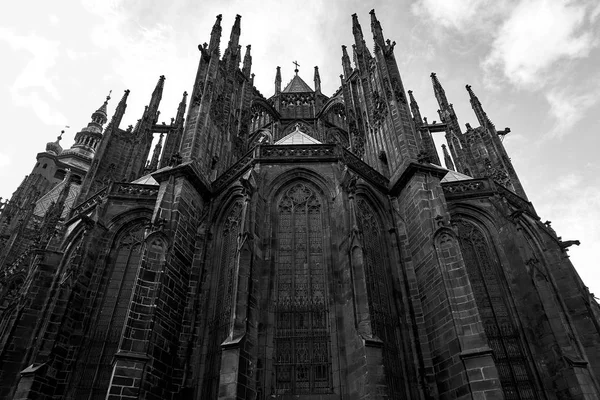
(300, 246)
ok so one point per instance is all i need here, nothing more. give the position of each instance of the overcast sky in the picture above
(533, 64)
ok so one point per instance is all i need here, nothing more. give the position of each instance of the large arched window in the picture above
(96, 359)
(302, 358)
(384, 322)
(501, 331)
(221, 312)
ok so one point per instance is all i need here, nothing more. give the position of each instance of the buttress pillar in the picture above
(238, 358)
(147, 364)
(463, 367)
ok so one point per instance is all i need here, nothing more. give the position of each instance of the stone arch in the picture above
(301, 292)
(333, 103)
(324, 184)
(377, 270)
(117, 276)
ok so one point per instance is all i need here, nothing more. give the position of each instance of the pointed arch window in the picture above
(302, 356)
(381, 307)
(223, 298)
(502, 332)
(94, 376)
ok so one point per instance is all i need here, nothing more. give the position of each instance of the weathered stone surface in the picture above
(233, 266)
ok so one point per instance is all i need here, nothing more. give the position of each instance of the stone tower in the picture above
(301, 246)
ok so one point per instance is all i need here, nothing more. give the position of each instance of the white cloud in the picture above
(568, 107)
(574, 207)
(568, 182)
(54, 20)
(536, 35)
(34, 81)
(4, 160)
(459, 14)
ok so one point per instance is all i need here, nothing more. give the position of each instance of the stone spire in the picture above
(414, 108)
(247, 62)
(361, 48)
(215, 35)
(377, 31)
(478, 109)
(156, 95)
(234, 39)
(446, 111)
(99, 117)
(89, 137)
(447, 158)
(317, 80)
(278, 81)
(181, 110)
(120, 110)
(156, 154)
(346, 62)
(439, 92)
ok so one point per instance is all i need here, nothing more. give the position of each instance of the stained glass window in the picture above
(501, 331)
(383, 321)
(95, 374)
(302, 338)
(223, 299)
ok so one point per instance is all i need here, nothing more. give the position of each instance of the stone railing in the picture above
(467, 187)
(485, 187)
(299, 153)
(286, 152)
(90, 203)
(133, 190)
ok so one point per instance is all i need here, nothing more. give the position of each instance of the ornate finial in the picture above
(297, 65)
(59, 137)
(108, 97)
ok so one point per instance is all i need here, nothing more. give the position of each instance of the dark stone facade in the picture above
(295, 247)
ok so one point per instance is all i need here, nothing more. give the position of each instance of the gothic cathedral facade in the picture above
(300, 246)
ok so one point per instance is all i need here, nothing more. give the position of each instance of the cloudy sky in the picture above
(533, 63)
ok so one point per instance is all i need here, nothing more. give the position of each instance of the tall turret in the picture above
(346, 62)
(414, 108)
(247, 62)
(317, 80)
(278, 81)
(87, 140)
(215, 35)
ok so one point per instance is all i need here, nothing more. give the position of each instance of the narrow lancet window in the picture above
(302, 357)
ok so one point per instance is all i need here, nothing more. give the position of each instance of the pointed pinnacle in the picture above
(236, 25)
(217, 25)
(377, 31)
(356, 29)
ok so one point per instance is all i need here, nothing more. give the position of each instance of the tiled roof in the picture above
(453, 176)
(297, 85)
(297, 137)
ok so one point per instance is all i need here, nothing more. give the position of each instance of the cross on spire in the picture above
(297, 65)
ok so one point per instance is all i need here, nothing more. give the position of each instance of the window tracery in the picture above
(95, 375)
(302, 356)
(501, 331)
(223, 298)
(383, 322)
